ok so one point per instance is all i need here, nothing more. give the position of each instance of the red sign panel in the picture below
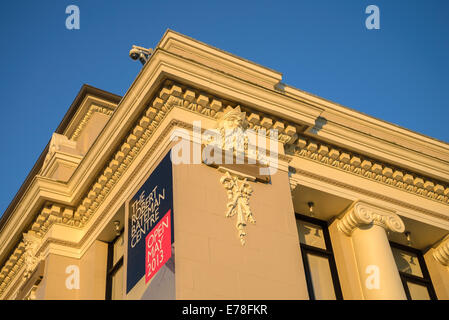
(158, 246)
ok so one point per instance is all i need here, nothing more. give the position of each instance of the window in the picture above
(114, 279)
(413, 271)
(319, 263)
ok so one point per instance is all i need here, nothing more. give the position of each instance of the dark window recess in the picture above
(114, 275)
(319, 263)
(413, 271)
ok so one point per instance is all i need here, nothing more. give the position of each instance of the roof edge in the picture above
(83, 92)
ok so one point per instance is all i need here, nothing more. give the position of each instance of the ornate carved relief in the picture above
(239, 192)
(364, 214)
(441, 253)
(369, 169)
(232, 125)
(32, 244)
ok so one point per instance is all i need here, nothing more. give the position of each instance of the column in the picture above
(441, 253)
(437, 262)
(367, 225)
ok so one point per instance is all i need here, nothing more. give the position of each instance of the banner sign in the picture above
(150, 225)
(158, 246)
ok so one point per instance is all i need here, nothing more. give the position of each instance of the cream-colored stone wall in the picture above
(211, 263)
(92, 275)
(439, 274)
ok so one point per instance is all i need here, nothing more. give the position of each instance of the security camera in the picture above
(140, 53)
(134, 53)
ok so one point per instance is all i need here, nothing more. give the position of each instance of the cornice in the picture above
(422, 160)
(106, 210)
(87, 106)
(351, 128)
(376, 128)
(229, 87)
(358, 141)
(369, 168)
(170, 96)
(100, 96)
(60, 158)
(360, 214)
(82, 124)
(27, 255)
(54, 214)
(216, 58)
(298, 175)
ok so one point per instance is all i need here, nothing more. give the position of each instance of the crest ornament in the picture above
(232, 127)
(239, 192)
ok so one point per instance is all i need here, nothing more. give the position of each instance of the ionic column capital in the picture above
(441, 253)
(361, 213)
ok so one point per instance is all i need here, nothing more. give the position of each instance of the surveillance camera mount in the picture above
(141, 53)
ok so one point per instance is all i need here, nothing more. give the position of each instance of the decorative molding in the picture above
(370, 169)
(93, 108)
(239, 191)
(32, 244)
(361, 213)
(12, 267)
(142, 130)
(372, 194)
(62, 155)
(292, 180)
(171, 95)
(50, 214)
(61, 143)
(124, 186)
(28, 251)
(441, 253)
(232, 126)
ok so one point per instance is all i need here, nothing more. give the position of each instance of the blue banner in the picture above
(146, 209)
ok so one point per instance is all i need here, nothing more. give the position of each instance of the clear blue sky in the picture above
(399, 73)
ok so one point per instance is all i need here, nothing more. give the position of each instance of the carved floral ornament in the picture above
(232, 125)
(239, 192)
(364, 214)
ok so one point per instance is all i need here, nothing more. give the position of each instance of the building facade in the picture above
(143, 196)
